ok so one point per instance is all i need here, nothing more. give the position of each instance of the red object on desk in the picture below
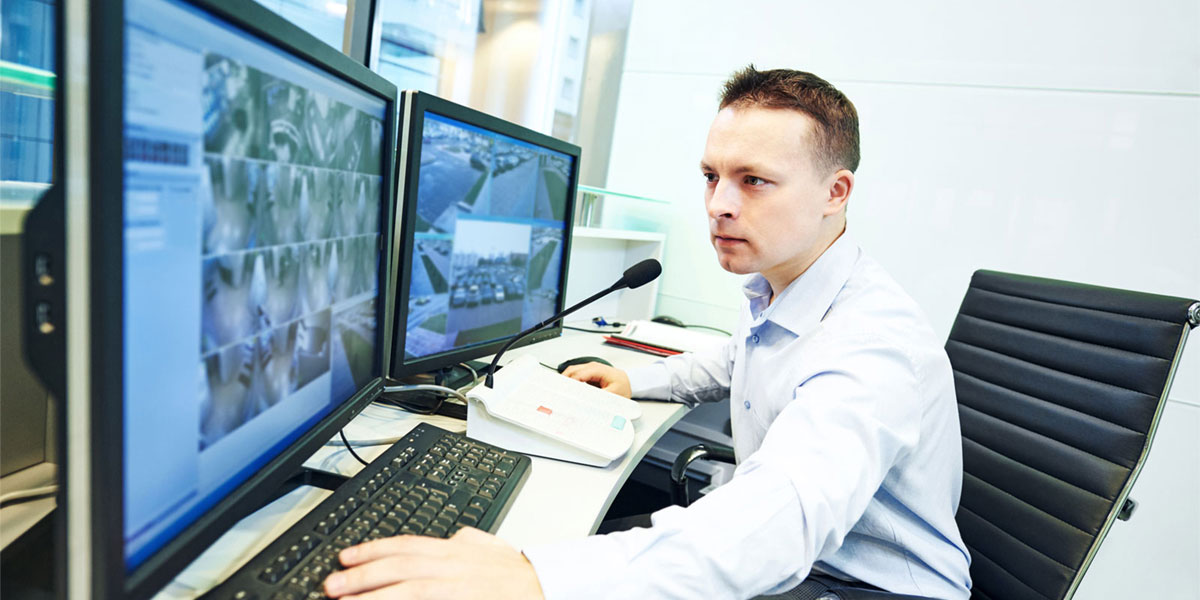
(655, 350)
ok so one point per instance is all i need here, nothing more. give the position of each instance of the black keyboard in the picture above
(432, 482)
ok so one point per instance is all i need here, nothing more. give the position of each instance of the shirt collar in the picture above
(804, 302)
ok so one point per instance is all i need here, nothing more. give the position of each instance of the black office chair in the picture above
(1060, 387)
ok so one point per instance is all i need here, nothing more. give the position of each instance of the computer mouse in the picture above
(668, 320)
(579, 360)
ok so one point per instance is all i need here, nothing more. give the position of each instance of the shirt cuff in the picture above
(651, 382)
(580, 569)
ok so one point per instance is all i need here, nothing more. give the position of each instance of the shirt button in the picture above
(755, 338)
(747, 403)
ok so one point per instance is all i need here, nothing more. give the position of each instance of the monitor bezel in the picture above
(416, 104)
(108, 574)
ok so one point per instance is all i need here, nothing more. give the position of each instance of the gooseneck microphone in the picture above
(634, 277)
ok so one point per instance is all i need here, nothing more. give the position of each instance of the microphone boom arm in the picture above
(558, 317)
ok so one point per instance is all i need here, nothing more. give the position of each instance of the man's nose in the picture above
(724, 202)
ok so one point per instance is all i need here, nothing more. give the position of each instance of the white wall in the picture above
(1054, 139)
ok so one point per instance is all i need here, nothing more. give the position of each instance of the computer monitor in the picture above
(240, 186)
(486, 229)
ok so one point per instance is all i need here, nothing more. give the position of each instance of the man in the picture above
(844, 417)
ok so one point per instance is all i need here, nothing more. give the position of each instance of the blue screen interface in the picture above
(252, 225)
(488, 245)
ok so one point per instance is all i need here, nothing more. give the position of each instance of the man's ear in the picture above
(840, 186)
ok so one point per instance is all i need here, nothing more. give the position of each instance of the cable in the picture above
(590, 330)
(474, 376)
(424, 387)
(600, 322)
(456, 410)
(707, 327)
(345, 441)
(367, 443)
(28, 494)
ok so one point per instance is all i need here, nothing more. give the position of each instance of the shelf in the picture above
(598, 233)
(605, 209)
(603, 192)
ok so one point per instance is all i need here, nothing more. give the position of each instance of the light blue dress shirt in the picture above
(849, 454)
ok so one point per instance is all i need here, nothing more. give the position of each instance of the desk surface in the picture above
(559, 500)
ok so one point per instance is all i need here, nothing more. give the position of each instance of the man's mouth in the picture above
(727, 241)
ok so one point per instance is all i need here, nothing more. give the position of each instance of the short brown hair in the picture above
(837, 121)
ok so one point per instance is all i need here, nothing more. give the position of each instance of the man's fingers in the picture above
(387, 571)
(586, 372)
(401, 544)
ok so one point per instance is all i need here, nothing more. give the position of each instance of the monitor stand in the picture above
(423, 402)
(456, 377)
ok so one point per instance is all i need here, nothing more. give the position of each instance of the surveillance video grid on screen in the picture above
(487, 246)
(253, 197)
(290, 243)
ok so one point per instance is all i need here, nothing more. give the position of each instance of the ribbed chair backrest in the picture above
(1060, 387)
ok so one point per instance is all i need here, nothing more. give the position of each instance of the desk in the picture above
(559, 500)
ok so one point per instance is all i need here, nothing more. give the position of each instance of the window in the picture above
(325, 19)
(26, 98)
(503, 57)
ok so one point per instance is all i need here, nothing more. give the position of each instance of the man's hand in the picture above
(472, 564)
(610, 379)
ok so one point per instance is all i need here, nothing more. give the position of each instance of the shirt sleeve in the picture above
(690, 378)
(855, 413)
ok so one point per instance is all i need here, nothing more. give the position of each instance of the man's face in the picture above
(765, 199)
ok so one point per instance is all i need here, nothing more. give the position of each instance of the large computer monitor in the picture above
(486, 229)
(240, 194)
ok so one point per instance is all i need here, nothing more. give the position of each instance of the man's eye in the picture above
(752, 180)
(710, 177)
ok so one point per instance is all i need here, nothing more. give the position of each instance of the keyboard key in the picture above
(318, 570)
(271, 575)
(301, 582)
(389, 527)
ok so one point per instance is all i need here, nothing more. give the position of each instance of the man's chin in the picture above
(734, 266)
